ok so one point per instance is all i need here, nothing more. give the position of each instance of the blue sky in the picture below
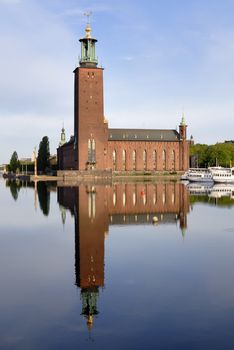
(160, 57)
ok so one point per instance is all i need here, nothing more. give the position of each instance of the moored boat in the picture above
(196, 188)
(222, 175)
(222, 190)
(199, 175)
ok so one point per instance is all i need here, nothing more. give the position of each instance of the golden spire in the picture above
(88, 28)
(88, 31)
(90, 322)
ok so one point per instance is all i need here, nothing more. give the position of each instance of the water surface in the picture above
(128, 266)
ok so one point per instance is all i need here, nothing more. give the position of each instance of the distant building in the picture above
(97, 147)
(25, 160)
(229, 141)
(3, 168)
(62, 137)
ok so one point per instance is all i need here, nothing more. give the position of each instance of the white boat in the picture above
(222, 190)
(222, 175)
(196, 188)
(185, 175)
(199, 175)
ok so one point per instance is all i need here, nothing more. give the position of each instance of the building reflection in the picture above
(95, 207)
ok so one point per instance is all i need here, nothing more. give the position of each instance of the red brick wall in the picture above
(89, 125)
(180, 163)
(148, 198)
(66, 157)
(91, 225)
(89, 116)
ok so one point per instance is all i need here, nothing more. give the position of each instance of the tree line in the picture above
(43, 159)
(202, 155)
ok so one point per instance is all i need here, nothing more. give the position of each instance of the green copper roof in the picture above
(143, 135)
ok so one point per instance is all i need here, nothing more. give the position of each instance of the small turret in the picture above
(191, 140)
(63, 137)
(183, 129)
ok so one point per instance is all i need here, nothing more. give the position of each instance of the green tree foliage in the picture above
(14, 162)
(14, 188)
(219, 154)
(44, 197)
(43, 154)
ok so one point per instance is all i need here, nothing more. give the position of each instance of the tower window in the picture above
(91, 151)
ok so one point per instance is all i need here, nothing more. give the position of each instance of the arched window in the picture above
(134, 198)
(93, 148)
(124, 159)
(124, 199)
(134, 159)
(164, 195)
(173, 159)
(155, 195)
(89, 150)
(155, 159)
(144, 195)
(164, 159)
(173, 197)
(144, 159)
(114, 198)
(114, 159)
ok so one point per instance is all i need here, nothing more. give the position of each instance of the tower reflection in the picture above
(95, 207)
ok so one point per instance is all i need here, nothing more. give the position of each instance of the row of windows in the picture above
(144, 158)
(143, 198)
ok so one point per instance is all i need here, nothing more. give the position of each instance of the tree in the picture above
(14, 188)
(14, 162)
(219, 154)
(44, 197)
(43, 154)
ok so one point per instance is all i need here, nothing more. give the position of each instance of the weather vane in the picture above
(88, 14)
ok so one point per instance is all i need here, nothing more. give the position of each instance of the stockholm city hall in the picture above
(96, 207)
(97, 149)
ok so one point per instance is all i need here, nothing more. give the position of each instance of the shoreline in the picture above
(115, 178)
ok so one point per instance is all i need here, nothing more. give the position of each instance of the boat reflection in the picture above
(96, 207)
(215, 194)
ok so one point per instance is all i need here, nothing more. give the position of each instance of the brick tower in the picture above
(184, 145)
(90, 127)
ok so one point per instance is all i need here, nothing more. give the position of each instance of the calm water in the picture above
(86, 268)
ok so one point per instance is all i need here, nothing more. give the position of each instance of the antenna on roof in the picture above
(88, 14)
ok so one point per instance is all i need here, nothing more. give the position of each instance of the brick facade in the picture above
(92, 147)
